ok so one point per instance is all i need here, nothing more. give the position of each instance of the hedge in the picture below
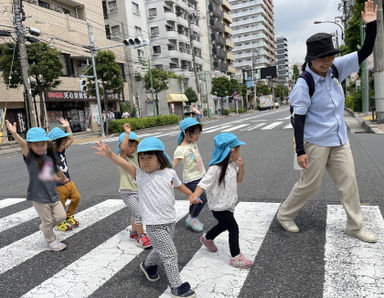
(116, 126)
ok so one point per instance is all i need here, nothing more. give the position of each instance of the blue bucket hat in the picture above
(132, 136)
(223, 144)
(153, 144)
(36, 134)
(58, 133)
(187, 122)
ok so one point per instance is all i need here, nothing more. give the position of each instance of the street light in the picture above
(341, 28)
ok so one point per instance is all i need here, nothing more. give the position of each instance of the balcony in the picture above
(182, 21)
(197, 44)
(185, 56)
(247, 13)
(183, 38)
(196, 28)
(246, 5)
(252, 20)
(170, 16)
(226, 5)
(174, 54)
(214, 10)
(172, 35)
(250, 29)
(230, 56)
(229, 43)
(227, 17)
(228, 30)
(231, 69)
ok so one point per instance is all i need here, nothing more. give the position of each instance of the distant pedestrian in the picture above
(61, 141)
(125, 115)
(188, 153)
(111, 115)
(156, 181)
(43, 173)
(320, 130)
(196, 112)
(104, 120)
(220, 182)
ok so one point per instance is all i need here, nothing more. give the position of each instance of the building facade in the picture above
(282, 60)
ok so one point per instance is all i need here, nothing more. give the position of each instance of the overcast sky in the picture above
(294, 20)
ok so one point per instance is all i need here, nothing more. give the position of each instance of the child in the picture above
(40, 160)
(156, 181)
(128, 142)
(220, 183)
(188, 152)
(67, 191)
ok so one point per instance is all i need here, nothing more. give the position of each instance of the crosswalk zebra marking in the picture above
(217, 128)
(9, 202)
(210, 274)
(353, 268)
(254, 127)
(27, 247)
(272, 125)
(235, 127)
(91, 271)
(289, 125)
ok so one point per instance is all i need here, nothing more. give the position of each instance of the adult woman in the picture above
(320, 130)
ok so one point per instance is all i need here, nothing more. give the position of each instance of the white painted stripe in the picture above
(254, 127)
(234, 128)
(205, 269)
(285, 118)
(272, 125)
(9, 202)
(217, 128)
(353, 268)
(289, 125)
(91, 271)
(167, 134)
(27, 247)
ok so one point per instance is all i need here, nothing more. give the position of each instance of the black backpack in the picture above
(311, 86)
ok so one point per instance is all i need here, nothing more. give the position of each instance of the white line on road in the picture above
(353, 268)
(27, 247)
(253, 127)
(9, 202)
(84, 276)
(234, 128)
(217, 128)
(205, 269)
(289, 125)
(271, 126)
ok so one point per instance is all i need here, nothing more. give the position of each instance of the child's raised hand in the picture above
(12, 128)
(102, 149)
(64, 123)
(127, 128)
(240, 162)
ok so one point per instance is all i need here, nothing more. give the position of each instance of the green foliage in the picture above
(226, 111)
(159, 78)
(138, 77)
(232, 110)
(233, 86)
(296, 73)
(352, 32)
(127, 107)
(281, 91)
(241, 110)
(220, 86)
(191, 95)
(263, 89)
(243, 89)
(172, 75)
(117, 126)
(354, 101)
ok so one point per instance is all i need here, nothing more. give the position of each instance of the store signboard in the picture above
(64, 96)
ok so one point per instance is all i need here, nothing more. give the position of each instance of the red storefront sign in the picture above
(66, 96)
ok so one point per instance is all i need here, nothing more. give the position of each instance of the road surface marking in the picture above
(272, 125)
(289, 125)
(217, 128)
(9, 202)
(254, 127)
(235, 127)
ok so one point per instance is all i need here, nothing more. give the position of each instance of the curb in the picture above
(366, 124)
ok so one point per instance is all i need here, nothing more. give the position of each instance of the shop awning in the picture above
(176, 97)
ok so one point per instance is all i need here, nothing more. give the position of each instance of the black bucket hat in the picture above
(320, 45)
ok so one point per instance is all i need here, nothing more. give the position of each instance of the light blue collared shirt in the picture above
(324, 121)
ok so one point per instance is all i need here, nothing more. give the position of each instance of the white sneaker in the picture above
(56, 246)
(289, 225)
(362, 235)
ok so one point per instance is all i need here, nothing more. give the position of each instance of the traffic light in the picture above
(83, 85)
(136, 42)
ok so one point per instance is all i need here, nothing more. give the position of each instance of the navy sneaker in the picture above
(184, 290)
(150, 272)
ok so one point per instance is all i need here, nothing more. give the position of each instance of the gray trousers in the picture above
(131, 199)
(164, 250)
(338, 161)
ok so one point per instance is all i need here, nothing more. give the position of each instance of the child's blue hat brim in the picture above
(57, 133)
(153, 144)
(36, 134)
(187, 122)
(223, 144)
(132, 136)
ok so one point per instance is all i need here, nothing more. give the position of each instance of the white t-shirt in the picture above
(224, 196)
(157, 196)
(191, 158)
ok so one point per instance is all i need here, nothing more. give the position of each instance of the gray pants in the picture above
(338, 161)
(164, 250)
(131, 199)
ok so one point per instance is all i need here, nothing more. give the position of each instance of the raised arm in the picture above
(13, 130)
(240, 173)
(65, 124)
(127, 129)
(104, 150)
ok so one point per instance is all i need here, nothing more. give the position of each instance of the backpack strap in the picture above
(309, 80)
(335, 71)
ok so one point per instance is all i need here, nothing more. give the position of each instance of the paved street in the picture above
(100, 261)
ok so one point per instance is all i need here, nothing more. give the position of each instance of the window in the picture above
(112, 6)
(140, 55)
(44, 4)
(138, 31)
(154, 31)
(156, 50)
(135, 8)
(152, 12)
(115, 30)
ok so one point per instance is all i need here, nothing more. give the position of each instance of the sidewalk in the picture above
(366, 122)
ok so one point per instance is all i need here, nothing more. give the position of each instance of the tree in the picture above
(45, 69)
(263, 89)
(159, 81)
(220, 89)
(109, 76)
(352, 32)
(296, 73)
(281, 91)
(191, 95)
(243, 92)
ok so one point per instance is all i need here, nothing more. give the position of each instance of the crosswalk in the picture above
(89, 266)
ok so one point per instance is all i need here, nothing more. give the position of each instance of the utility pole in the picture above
(253, 78)
(191, 38)
(17, 21)
(379, 64)
(365, 75)
(153, 97)
(92, 49)
(207, 94)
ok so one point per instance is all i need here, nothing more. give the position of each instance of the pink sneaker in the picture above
(240, 262)
(143, 241)
(208, 244)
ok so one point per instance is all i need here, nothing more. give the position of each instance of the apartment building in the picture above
(282, 60)
(253, 33)
(63, 25)
(228, 33)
